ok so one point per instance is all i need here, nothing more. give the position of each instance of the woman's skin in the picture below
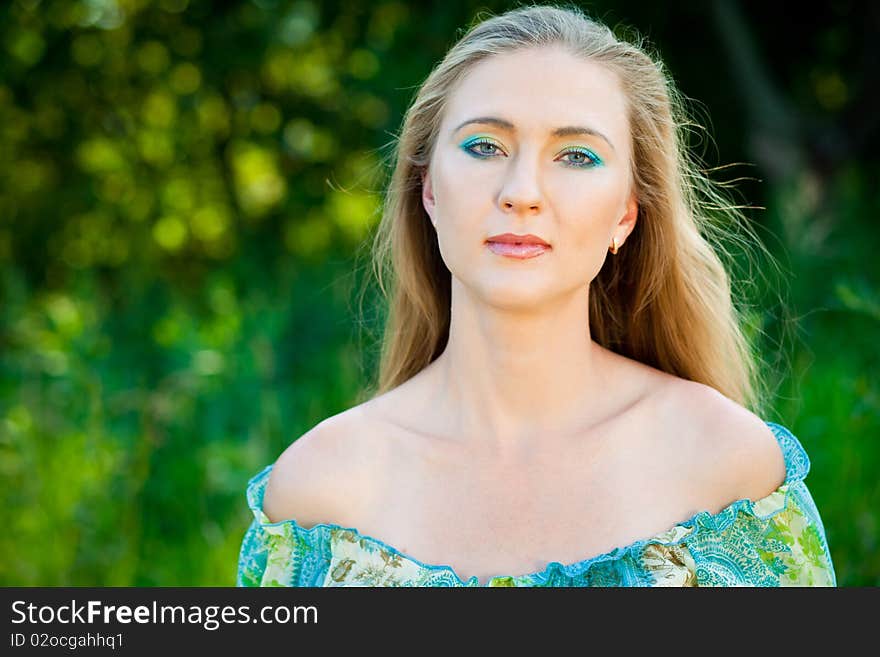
(520, 361)
(525, 441)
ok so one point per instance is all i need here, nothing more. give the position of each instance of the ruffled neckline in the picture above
(797, 466)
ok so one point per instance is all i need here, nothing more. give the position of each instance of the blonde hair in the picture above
(665, 299)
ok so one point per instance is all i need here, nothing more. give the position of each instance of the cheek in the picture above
(589, 195)
(588, 209)
(583, 226)
(456, 187)
(455, 228)
(461, 204)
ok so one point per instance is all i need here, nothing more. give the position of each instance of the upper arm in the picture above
(312, 481)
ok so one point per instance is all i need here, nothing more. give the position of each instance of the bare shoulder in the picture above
(322, 475)
(732, 453)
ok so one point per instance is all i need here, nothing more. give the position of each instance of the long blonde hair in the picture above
(665, 299)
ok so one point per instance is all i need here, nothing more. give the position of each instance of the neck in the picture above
(510, 377)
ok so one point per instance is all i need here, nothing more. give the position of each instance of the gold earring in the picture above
(614, 247)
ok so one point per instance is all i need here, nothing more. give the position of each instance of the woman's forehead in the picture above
(538, 92)
(530, 97)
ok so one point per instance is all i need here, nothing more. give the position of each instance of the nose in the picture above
(521, 192)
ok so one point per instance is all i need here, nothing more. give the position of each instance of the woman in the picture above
(564, 387)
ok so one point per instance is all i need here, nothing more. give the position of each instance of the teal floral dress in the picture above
(778, 540)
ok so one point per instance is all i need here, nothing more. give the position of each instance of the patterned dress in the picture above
(778, 540)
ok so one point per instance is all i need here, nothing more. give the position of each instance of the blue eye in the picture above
(468, 146)
(590, 160)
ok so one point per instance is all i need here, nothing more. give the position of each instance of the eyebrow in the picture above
(565, 131)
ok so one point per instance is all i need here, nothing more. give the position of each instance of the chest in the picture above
(482, 517)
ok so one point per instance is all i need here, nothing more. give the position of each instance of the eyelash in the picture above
(591, 161)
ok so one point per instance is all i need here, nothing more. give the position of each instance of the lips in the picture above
(517, 246)
(521, 250)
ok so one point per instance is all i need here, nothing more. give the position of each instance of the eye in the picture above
(584, 158)
(479, 144)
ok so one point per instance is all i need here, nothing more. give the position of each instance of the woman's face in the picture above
(513, 175)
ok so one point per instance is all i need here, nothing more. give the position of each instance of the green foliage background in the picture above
(184, 190)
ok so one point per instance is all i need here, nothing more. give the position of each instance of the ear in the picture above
(428, 195)
(627, 223)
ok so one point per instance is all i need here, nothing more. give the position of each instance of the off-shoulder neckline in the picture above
(797, 466)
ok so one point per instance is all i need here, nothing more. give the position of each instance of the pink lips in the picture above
(517, 246)
(521, 251)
